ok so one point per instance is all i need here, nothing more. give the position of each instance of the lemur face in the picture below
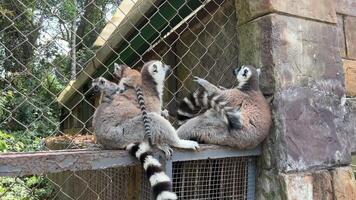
(118, 70)
(99, 84)
(243, 74)
(247, 76)
(158, 71)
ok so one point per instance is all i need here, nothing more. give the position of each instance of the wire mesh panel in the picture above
(225, 178)
(51, 50)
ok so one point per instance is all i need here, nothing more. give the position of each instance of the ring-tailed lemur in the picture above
(118, 124)
(252, 115)
(111, 88)
(132, 78)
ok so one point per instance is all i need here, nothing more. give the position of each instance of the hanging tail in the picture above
(146, 122)
(161, 184)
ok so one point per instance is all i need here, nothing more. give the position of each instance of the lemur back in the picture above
(245, 104)
(116, 129)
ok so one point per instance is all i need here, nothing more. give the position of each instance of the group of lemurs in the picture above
(130, 116)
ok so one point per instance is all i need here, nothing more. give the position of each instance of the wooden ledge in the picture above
(21, 164)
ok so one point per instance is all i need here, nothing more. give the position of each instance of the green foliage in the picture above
(26, 188)
(19, 142)
(34, 70)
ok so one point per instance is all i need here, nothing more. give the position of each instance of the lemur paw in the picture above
(191, 145)
(202, 82)
(168, 151)
(165, 113)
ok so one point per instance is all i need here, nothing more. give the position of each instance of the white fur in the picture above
(185, 114)
(205, 99)
(158, 178)
(195, 95)
(243, 79)
(143, 147)
(213, 100)
(258, 71)
(128, 147)
(165, 195)
(189, 103)
(149, 161)
(158, 76)
(186, 144)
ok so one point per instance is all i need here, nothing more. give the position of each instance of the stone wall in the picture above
(302, 51)
(346, 23)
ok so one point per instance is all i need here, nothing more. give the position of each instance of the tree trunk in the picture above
(73, 48)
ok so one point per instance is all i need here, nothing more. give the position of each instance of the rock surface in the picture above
(341, 35)
(350, 34)
(317, 10)
(344, 184)
(350, 77)
(302, 67)
(347, 7)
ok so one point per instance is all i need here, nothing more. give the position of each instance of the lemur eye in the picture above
(102, 82)
(155, 69)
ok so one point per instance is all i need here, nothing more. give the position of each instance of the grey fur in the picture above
(254, 114)
(120, 121)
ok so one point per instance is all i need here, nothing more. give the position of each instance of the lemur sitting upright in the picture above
(118, 124)
(239, 117)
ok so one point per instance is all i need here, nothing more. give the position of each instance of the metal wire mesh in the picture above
(51, 50)
(225, 178)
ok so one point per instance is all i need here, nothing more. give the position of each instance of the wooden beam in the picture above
(37, 163)
(21, 164)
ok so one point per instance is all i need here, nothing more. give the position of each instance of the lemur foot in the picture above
(168, 151)
(187, 144)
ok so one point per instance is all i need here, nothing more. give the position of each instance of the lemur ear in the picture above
(118, 70)
(258, 71)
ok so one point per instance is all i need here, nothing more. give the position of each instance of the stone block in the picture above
(322, 185)
(347, 7)
(297, 186)
(316, 185)
(350, 77)
(350, 35)
(341, 35)
(351, 122)
(319, 10)
(268, 186)
(302, 67)
(344, 184)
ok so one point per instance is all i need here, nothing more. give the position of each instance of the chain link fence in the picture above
(51, 50)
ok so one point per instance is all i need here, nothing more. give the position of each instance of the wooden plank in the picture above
(213, 152)
(21, 164)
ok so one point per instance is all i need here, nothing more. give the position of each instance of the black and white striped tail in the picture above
(191, 106)
(199, 101)
(146, 122)
(161, 184)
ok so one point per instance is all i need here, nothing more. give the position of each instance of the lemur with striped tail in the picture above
(239, 117)
(118, 124)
